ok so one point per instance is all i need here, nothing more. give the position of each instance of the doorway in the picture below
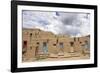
(45, 48)
(61, 45)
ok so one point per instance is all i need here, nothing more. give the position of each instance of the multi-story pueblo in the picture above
(41, 45)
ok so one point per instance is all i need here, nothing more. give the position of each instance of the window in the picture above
(30, 37)
(71, 43)
(54, 44)
(24, 44)
(80, 42)
(38, 43)
(30, 34)
(24, 47)
(86, 42)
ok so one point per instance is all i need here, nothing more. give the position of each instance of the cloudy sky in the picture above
(65, 23)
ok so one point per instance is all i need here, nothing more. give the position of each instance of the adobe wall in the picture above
(36, 37)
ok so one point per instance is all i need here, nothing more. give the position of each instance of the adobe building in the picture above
(38, 43)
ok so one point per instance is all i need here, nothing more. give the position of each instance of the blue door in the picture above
(87, 45)
(45, 48)
(61, 45)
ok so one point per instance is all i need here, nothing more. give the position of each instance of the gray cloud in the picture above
(74, 24)
(68, 18)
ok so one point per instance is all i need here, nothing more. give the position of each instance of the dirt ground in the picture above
(59, 58)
